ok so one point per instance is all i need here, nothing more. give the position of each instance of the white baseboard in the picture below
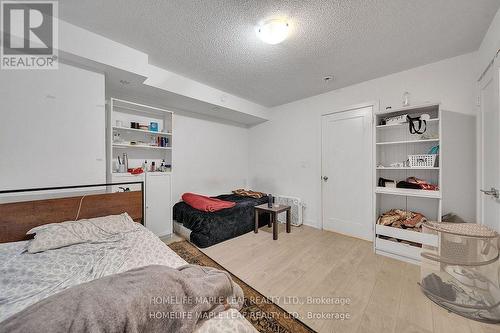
(312, 224)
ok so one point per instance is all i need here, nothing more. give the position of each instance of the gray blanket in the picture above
(148, 299)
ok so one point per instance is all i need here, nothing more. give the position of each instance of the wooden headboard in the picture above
(18, 218)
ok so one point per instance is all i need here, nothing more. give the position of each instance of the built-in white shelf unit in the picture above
(400, 125)
(121, 128)
(408, 168)
(128, 145)
(140, 145)
(406, 142)
(393, 143)
(408, 192)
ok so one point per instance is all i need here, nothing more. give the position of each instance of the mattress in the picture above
(181, 230)
(210, 228)
(28, 278)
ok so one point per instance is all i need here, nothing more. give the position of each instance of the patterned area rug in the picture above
(264, 315)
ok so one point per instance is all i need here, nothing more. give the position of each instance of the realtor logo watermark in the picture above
(29, 35)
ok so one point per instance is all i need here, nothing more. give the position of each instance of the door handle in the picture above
(325, 178)
(493, 192)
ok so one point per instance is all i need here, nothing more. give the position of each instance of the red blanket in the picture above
(206, 204)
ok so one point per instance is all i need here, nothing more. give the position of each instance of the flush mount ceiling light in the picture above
(273, 31)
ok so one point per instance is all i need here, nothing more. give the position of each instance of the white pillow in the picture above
(96, 230)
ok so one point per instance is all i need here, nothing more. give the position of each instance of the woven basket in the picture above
(422, 161)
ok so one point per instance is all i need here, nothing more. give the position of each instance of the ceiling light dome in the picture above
(273, 31)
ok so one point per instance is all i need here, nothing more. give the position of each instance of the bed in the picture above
(30, 277)
(205, 229)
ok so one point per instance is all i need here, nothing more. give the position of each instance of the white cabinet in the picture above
(159, 203)
(158, 198)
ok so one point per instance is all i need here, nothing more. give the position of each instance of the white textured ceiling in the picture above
(214, 42)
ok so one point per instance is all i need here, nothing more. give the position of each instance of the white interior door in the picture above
(490, 141)
(347, 172)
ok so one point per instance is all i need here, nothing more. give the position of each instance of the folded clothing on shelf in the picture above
(405, 184)
(400, 218)
(418, 184)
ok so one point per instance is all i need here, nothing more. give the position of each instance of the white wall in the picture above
(285, 151)
(209, 157)
(53, 133)
(459, 164)
(52, 129)
(489, 46)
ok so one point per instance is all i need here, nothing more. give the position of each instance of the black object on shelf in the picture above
(383, 182)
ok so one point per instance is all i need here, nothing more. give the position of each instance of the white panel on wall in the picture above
(52, 128)
(459, 165)
(210, 158)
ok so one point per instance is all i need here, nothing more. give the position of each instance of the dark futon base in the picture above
(208, 229)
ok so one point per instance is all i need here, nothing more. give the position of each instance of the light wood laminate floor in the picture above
(383, 292)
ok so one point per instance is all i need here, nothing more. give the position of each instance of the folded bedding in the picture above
(148, 299)
(206, 204)
(249, 193)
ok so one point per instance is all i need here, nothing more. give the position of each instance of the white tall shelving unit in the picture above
(141, 145)
(127, 112)
(393, 144)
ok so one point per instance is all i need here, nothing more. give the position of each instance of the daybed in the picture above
(209, 228)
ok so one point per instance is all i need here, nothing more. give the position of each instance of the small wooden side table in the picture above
(273, 212)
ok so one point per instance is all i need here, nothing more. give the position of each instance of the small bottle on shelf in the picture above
(406, 98)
